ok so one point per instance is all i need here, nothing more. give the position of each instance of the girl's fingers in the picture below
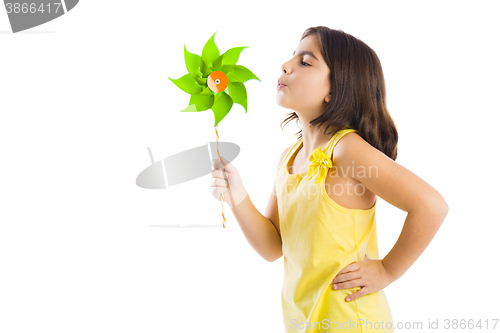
(216, 164)
(347, 284)
(219, 182)
(218, 174)
(217, 190)
(225, 165)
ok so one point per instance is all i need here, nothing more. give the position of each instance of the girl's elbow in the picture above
(275, 257)
(439, 207)
(446, 208)
(434, 205)
(443, 207)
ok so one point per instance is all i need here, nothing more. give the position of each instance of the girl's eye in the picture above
(304, 63)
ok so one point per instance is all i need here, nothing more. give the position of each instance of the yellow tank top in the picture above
(320, 238)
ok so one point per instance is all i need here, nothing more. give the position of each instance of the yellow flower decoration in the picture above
(319, 161)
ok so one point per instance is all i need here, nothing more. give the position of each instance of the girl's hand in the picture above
(368, 274)
(234, 192)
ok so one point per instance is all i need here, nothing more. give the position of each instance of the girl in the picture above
(321, 213)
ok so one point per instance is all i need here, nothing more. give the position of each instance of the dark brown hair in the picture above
(358, 91)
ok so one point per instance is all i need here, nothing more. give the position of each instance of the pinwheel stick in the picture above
(225, 177)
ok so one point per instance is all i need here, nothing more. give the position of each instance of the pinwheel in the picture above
(215, 82)
(319, 162)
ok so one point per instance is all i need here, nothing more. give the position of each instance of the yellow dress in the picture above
(320, 238)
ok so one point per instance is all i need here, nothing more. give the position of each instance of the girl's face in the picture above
(305, 75)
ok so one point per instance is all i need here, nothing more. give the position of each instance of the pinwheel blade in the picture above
(230, 57)
(187, 84)
(222, 104)
(192, 63)
(204, 68)
(217, 64)
(237, 73)
(202, 81)
(210, 51)
(202, 102)
(238, 93)
(190, 108)
(207, 92)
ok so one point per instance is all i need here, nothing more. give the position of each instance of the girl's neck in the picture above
(313, 138)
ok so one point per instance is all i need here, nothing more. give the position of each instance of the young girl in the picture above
(321, 213)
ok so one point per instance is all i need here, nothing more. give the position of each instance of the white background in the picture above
(84, 249)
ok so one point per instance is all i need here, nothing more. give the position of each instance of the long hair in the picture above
(358, 91)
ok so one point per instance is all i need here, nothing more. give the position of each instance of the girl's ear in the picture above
(327, 98)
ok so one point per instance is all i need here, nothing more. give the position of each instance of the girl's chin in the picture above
(281, 101)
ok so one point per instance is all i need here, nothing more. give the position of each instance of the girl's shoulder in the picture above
(283, 154)
(351, 140)
(349, 146)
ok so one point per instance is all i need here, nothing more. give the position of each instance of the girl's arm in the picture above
(400, 187)
(261, 231)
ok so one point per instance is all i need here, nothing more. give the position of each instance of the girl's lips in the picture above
(280, 86)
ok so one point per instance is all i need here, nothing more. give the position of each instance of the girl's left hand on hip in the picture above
(368, 274)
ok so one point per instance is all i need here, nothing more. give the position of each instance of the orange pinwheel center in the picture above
(217, 81)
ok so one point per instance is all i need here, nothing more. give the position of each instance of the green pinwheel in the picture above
(214, 81)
